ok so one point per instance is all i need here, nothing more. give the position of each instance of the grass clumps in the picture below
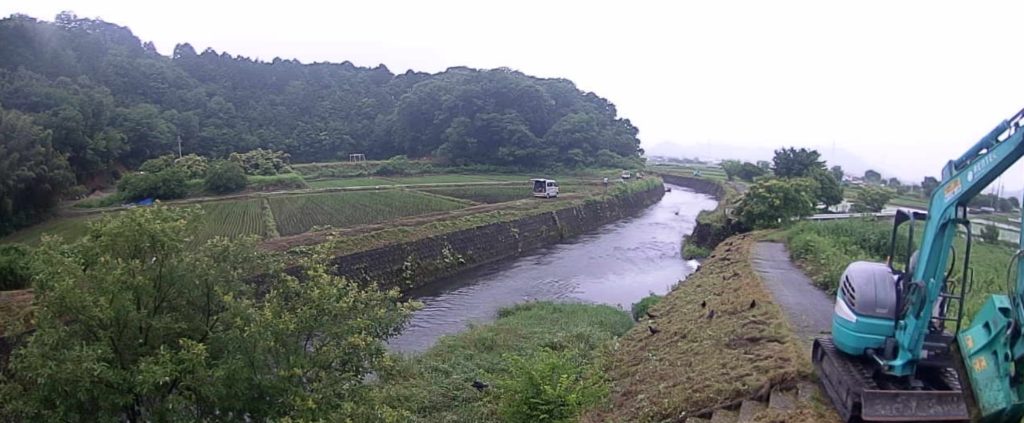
(641, 308)
(697, 361)
(538, 360)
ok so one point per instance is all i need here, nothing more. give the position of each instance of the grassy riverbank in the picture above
(538, 359)
(720, 339)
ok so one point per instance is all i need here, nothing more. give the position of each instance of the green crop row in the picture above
(299, 213)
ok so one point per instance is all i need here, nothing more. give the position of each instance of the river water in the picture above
(618, 264)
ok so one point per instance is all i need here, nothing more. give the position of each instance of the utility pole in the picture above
(179, 146)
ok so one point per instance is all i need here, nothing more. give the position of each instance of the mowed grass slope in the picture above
(696, 362)
(296, 214)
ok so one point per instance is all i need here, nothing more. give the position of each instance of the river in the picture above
(618, 264)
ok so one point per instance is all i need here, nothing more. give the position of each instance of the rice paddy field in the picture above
(296, 214)
(284, 214)
(484, 194)
(232, 219)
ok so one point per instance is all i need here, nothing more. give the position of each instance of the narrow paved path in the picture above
(808, 308)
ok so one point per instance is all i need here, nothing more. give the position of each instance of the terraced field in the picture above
(299, 213)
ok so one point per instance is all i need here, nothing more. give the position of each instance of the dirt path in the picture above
(808, 309)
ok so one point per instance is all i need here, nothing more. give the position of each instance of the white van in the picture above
(625, 175)
(546, 188)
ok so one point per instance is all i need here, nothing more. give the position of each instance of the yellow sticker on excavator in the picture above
(952, 189)
(969, 341)
(980, 364)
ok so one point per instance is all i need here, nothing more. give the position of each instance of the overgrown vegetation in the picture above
(539, 361)
(640, 309)
(824, 249)
(132, 323)
(14, 268)
(225, 177)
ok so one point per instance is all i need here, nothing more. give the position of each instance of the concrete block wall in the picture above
(420, 262)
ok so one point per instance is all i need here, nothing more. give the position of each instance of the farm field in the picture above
(484, 194)
(296, 214)
(349, 182)
(68, 228)
(231, 219)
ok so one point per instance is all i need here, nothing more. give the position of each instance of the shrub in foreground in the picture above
(550, 386)
(14, 267)
(132, 323)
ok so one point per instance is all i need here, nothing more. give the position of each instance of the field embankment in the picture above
(720, 339)
(410, 256)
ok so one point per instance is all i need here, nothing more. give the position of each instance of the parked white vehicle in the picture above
(625, 174)
(547, 188)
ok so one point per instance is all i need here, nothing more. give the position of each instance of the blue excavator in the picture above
(897, 351)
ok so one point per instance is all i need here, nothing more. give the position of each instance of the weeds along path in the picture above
(807, 308)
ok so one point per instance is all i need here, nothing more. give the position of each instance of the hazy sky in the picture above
(903, 85)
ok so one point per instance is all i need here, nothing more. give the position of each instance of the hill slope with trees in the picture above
(105, 101)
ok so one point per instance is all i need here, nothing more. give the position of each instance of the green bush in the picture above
(167, 184)
(225, 177)
(195, 166)
(639, 309)
(550, 386)
(692, 250)
(990, 234)
(14, 267)
(771, 203)
(262, 162)
(158, 164)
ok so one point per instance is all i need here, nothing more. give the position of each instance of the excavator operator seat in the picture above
(865, 309)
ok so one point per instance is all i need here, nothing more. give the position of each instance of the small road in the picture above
(808, 308)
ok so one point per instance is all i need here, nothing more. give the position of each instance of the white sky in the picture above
(903, 85)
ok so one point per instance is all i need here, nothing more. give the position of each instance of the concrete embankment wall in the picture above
(417, 263)
(712, 226)
(703, 186)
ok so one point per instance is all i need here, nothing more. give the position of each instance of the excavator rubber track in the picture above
(858, 396)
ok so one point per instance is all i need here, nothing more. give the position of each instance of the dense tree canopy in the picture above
(109, 101)
(793, 163)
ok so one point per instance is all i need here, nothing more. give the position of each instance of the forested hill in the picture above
(111, 100)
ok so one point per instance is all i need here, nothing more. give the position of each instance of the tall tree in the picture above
(837, 173)
(872, 177)
(33, 175)
(793, 163)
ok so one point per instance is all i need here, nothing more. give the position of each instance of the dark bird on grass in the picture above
(480, 386)
(653, 330)
(650, 316)
(753, 303)
(711, 314)
(703, 304)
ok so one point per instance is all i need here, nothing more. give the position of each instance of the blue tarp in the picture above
(145, 202)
